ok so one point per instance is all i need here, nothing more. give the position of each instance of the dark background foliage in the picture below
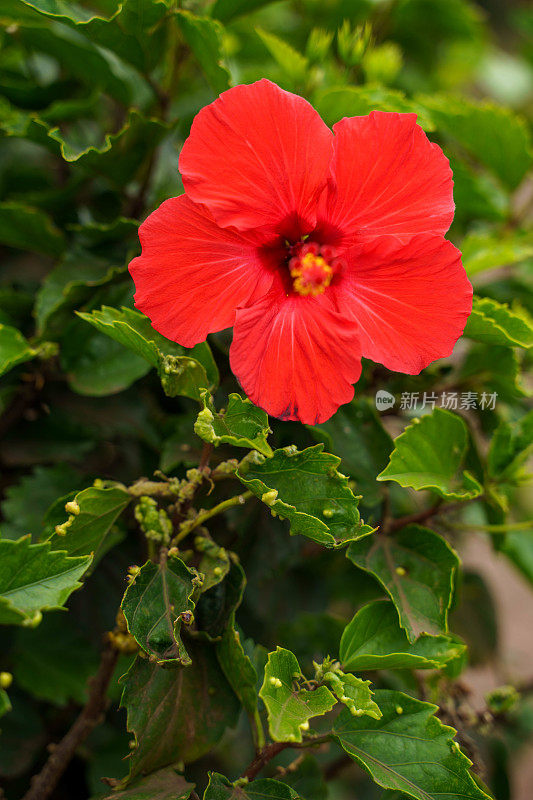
(96, 100)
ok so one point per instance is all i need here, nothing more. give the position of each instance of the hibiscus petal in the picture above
(192, 274)
(295, 356)
(257, 156)
(411, 301)
(387, 178)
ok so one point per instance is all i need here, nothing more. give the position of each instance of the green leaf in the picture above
(518, 547)
(177, 714)
(293, 64)
(408, 749)
(353, 101)
(204, 37)
(510, 448)
(127, 32)
(496, 323)
(306, 488)
(165, 784)
(34, 578)
(122, 153)
(487, 250)
(216, 605)
(416, 567)
(29, 228)
(492, 134)
(182, 372)
(68, 285)
(215, 561)
(493, 370)
(226, 10)
(242, 424)
(14, 348)
(91, 515)
(155, 604)
(363, 444)
(375, 640)
(237, 667)
(220, 788)
(353, 692)
(290, 706)
(429, 454)
(44, 485)
(54, 662)
(94, 66)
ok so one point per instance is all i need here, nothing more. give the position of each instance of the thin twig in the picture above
(271, 750)
(190, 524)
(44, 783)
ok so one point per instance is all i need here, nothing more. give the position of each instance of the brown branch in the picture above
(206, 455)
(43, 784)
(271, 750)
(427, 513)
(261, 760)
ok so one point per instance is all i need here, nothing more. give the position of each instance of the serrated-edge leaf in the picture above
(440, 440)
(289, 706)
(496, 323)
(242, 424)
(14, 348)
(153, 604)
(426, 548)
(314, 462)
(376, 619)
(391, 749)
(28, 573)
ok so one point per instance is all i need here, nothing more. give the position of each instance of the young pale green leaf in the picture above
(35, 578)
(483, 251)
(375, 640)
(408, 749)
(496, 323)
(182, 372)
(306, 488)
(511, 445)
(353, 101)
(363, 444)
(494, 135)
(14, 348)
(204, 37)
(429, 454)
(177, 714)
(242, 424)
(91, 515)
(289, 705)
(156, 603)
(417, 569)
(294, 65)
(220, 788)
(29, 229)
(165, 784)
(237, 667)
(353, 692)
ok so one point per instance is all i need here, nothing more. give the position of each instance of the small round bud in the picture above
(6, 679)
(275, 682)
(72, 507)
(401, 571)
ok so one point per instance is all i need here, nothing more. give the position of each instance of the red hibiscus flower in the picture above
(318, 247)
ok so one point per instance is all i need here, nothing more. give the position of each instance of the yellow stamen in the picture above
(311, 275)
